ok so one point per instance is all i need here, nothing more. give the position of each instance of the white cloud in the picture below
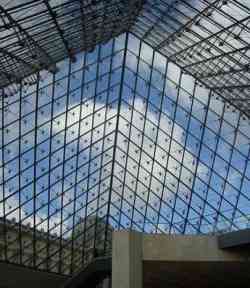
(164, 163)
(160, 156)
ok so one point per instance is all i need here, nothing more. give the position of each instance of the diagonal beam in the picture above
(224, 72)
(20, 31)
(204, 12)
(83, 23)
(10, 77)
(241, 49)
(219, 90)
(59, 30)
(164, 14)
(213, 35)
(116, 133)
(15, 57)
(232, 87)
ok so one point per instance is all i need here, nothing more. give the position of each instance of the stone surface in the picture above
(187, 248)
(127, 260)
(176, 261)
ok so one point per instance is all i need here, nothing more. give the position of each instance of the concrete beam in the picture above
(188, 248)
(127, 260)
(236, 239)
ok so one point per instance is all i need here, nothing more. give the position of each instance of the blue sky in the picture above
(173, 136)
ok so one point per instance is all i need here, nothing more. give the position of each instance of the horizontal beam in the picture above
(234, 239)
(231, 87)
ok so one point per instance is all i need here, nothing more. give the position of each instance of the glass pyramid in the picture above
(123, 135)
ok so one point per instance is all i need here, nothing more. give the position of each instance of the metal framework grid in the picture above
(122, 136)
(35, 34)
(209, 39)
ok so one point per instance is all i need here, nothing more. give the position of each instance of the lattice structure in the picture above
(126, 137)
(34, 35)
(123, 135)
(209, 39)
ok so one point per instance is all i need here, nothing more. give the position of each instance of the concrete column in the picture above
(127, 260)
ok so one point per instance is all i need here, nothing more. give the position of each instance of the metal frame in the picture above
(116, 138)
(42, 33)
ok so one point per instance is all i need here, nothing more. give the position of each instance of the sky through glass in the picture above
(145, 130)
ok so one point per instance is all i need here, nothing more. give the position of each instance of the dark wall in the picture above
(13, 276)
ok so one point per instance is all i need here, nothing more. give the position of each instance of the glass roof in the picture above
(35, 34)
(123, 135)
(209, 39)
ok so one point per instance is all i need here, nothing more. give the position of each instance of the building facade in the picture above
(43, 251)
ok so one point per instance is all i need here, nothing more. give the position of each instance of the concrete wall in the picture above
(133, 252)
(187, 248)
(126, 260)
